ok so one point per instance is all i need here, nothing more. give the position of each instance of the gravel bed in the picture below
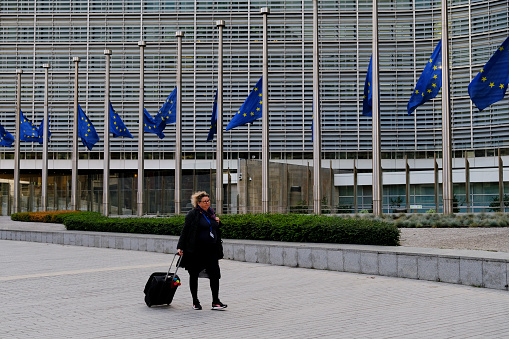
(474, 238)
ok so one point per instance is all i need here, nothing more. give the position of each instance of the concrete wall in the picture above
(472, 268)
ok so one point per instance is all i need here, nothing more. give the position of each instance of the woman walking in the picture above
(200, 242)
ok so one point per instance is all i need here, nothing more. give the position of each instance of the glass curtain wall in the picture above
(36, 32)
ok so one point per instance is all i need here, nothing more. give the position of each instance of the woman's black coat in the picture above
(187, 240)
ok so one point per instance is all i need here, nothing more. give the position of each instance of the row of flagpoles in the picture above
(169, 113)
(488, 87)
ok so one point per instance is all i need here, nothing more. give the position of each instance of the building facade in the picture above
(36, 32)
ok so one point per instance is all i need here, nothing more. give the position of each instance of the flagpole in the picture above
(141, 160)
(219, 121)
(501, 182)
(17, 142)
(45, 141)
(178, 133)
(407, 184)
(437, 184)
(446, 118)
(74, 175)
(377, 163)
(355, 204)
(467, 182)
(317, 130)
(106, 172)
(265, 117)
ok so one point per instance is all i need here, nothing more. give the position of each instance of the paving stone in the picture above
(56, 291)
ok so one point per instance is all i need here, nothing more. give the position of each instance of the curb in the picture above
(465, 267)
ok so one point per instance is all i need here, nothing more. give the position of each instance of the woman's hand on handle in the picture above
(179, 252)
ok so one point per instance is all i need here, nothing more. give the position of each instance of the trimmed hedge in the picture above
(275, 227)
(50, 216)
(357, 229)
(96, 222)
(309, 228)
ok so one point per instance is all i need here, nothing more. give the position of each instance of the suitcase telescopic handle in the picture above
(171, 265)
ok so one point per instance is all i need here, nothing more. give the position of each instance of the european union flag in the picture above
(429, 82)
(168, 113)
(250, 110)
(149, 125)
(6, 138)
(213, 120)
(41, 132)
(367, 98)
(490, 84)
(28, 131)
(117, 126)
(86, 130)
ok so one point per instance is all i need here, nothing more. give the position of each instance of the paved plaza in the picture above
(55, 291)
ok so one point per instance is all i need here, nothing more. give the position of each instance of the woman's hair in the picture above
(196, 198)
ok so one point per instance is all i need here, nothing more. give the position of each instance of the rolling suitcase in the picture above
(161, 286)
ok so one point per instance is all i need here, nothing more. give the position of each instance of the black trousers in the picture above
(204, 259)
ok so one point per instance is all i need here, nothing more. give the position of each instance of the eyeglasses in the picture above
(205, 201)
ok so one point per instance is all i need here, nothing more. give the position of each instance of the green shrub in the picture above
(95, 222)
(357, 229)
(24, 216)
(274, 227)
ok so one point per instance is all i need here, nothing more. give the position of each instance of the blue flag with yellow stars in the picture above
(117, 126)
(86, 131)
(28, 131)
(149, 124)
(429, 82)
(41, 132)
(213, 120)
(250, 110)
(168, 113)
(367, 98)
(490, 84)
(6, 138)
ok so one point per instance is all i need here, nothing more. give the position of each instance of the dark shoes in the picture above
(215, 305)
(197, 305)
(218, 305)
